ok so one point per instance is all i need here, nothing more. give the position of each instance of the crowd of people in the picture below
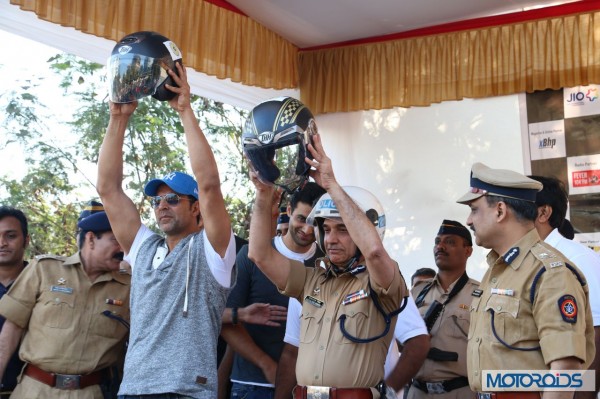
(316, 308)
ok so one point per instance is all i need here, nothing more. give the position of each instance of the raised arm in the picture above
(122, 213)
(274, 265)
(216, 220)
(380, 265)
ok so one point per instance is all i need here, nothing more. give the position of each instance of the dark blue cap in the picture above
(96, 222)
(180, 182)
(90, 208)
(283, 216)
(454, 227)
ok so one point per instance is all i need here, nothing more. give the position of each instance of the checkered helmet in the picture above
(325, 208)
(275, 139)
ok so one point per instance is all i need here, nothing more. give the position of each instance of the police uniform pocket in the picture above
(355, 324)
(310, 322)
(474, 307)
(110, 326)
(57, 310)
(457, 323)
(505, 311)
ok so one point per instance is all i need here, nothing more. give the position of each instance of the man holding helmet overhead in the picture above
(349, 307)
(180, 282)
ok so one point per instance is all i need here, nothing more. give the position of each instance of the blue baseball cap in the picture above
(180, 182)
(96, 222)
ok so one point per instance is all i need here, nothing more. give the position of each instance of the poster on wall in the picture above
(562, 130)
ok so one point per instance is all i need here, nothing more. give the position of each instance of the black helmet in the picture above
(275, 138)
(138, 67)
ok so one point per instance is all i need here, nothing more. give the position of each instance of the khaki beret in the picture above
(500, 182)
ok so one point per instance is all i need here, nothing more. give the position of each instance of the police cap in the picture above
(453, 227)
(500, 182)
(283, 216)
(98, 222)
(90, 208)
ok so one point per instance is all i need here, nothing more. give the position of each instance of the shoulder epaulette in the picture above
(549, 258)
(49, 256)
(550, 262)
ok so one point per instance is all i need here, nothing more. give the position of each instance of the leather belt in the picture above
(64, 381)
(439, 387)
(509, 395)
(312, 392)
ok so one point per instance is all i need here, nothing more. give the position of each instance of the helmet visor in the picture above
(280, 164)
(133, 76)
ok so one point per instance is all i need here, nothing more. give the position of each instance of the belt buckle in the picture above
(67, 381)
(484, 395)
(313, 392)
(435, 387)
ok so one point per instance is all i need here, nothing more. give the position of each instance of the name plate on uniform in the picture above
(64, 290)
(314, 301)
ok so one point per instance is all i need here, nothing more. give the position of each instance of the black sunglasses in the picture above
(171, 199)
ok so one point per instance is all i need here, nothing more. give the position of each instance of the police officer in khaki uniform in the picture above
(532, 312)
(444, 303)
(73, 315)
(348, 307)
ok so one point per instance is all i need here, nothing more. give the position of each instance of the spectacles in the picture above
(476, 190)
(171, 199)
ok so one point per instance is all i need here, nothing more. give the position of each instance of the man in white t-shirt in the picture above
(180, 281)
(552, 208)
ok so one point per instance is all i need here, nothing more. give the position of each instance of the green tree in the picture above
(154, 145)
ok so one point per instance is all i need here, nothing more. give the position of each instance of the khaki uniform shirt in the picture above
(522, 324)
(60, 310)
(325, 356)
(450, 331)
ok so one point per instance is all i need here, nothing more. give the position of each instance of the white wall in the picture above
(418, 161)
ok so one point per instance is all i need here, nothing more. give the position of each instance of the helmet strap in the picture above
(350, 264)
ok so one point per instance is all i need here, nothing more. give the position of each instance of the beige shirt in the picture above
(522, 324)
(450, 331)
(325, 356)
(60, 310)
